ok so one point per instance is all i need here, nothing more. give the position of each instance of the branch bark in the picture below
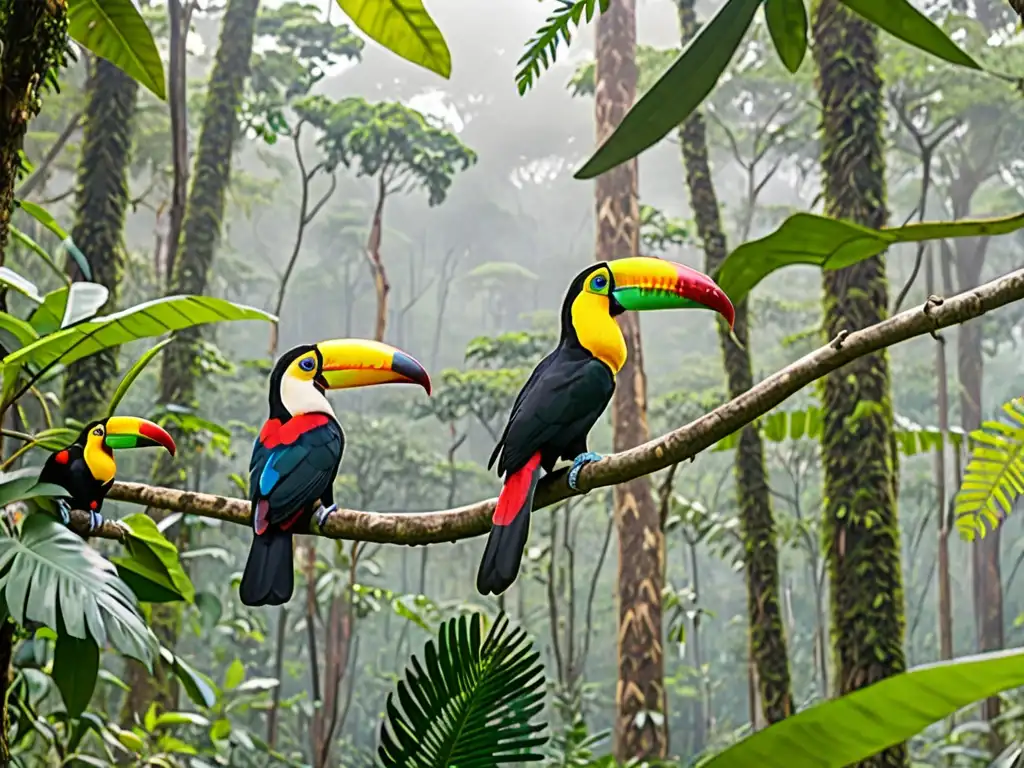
(676, 446)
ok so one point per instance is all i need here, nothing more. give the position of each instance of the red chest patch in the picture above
(274, 433)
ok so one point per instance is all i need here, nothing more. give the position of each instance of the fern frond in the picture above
(542, 49)
(994, 478)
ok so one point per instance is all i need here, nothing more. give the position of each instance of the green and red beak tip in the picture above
(704, 290)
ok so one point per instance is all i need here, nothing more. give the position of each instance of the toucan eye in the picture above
(307, 364)
(98, 432)
(599, 282)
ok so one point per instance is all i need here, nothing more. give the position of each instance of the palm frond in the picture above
(542, 49)
(470, 703)
(995, 473)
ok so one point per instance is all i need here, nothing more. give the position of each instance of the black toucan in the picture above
(297, 453)
(86, 468)
(571, 387)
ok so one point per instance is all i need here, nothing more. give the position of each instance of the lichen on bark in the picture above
(33, 41)
(861, 527)
(761, 558)
(101, 205)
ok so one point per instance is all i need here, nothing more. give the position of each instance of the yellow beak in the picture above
(643, 283)
(349, 363)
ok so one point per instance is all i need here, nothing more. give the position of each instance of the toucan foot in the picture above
(323, 513)
(578, 463)
(64, 510)
(95, 521)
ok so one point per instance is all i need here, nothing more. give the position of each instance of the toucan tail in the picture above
(268, 578)
(510, 528)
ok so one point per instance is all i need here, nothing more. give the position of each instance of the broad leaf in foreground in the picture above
(403, 27)
(806, 238)
(685, 84)
(153, 318)
(787, 25)
(76, 664)
(853, 727)
(67, 306)
(152, 568)
(471, 705)
(116, 31)
(51, 575)
(994, 478)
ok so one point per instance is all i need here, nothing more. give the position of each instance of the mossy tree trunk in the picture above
(641, 687)
(761, 560)
(201, 231)
(33, 38)
(861, 527)
(101, 203)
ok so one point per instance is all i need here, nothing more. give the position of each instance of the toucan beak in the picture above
(130, 432)
(349, 363)
(642, 283)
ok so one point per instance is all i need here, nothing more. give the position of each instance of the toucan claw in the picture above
(65, 512)
(578, 463)
(95, 521)
(323, 513)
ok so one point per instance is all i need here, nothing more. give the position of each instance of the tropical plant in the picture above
(851, 728)
(470, 703)
(994, 477)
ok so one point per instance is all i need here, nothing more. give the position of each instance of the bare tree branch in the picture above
(679, 445)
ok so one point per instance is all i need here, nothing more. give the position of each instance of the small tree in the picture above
(402, 149)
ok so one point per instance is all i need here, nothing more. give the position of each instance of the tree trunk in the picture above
(33, 37)
(640, 725)
(202, 226)
(102, 201)
(767, 637)
(860, 520)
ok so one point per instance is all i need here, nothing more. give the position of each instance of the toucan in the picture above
(571, 387)
(86, 468)
(297, 453)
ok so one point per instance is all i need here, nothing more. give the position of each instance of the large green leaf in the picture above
(806, 238)
(132, 374)
(116, 31)
(67, 306)
(152, 568)
(51, 575)
(679, 91)
(11, 279)
(787, 25)
(15, 329)
(403, 27)
(23, 484)
(472, 705)
(994, 477)
(154, 318)
(901, 19)
(849, 729)
(76, 664)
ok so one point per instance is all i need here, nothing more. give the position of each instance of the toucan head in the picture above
(609, 288)
(125, 432)
(303, 374)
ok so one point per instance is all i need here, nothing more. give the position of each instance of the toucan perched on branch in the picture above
(86, 468)
(571, 387)
(297, 453)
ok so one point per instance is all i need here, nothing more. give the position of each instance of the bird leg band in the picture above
(65, 512)
(584, 458)
(323, 513)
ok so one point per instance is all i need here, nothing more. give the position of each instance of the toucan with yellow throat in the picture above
(571, 387)
(86, 468)
(298, 451)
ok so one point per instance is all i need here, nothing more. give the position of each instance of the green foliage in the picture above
(542, 49)
(115, 30)
(473, 703)
(69, 305)
(132, 374)
(152, 318)
(152, 568)
(853, 727)
(806, 238)
(47, 560)
(396, 144)
(403, 27)
(787, 23)
(45, 218)
(994, 477)
(659, 232)
(650, 63)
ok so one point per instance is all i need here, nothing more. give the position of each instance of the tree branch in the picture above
(679, 445)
